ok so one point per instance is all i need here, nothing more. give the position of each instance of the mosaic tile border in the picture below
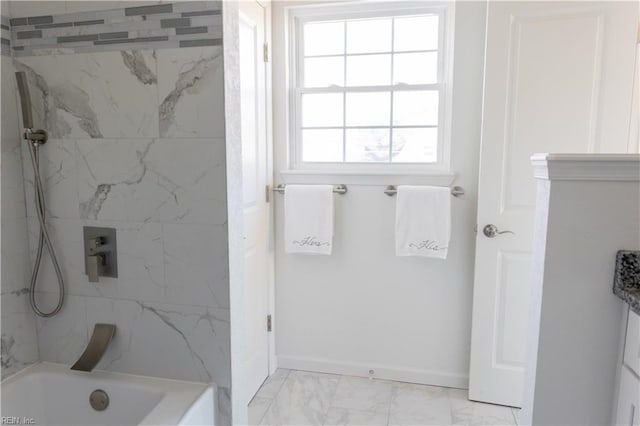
(171, 25)
(5, 36)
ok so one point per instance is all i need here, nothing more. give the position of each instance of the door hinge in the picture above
(269, 326)
(265, 52)
(267, 191)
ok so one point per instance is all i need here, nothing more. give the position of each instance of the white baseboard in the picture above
(331, 366)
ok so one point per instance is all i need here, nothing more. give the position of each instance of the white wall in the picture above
(587, 210)
(364, 308)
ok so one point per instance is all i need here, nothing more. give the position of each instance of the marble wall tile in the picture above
(172, 263)
(163, 180)
(223, 411)
(85, 6)
(66, 236)
(27, 8)
(106, 165)
(16, 302)
(111, 180)
(12, 181)
(9, 102)
(62, 338)
(57, 160)
(190, 83)
(13, 195)
(16, 268)
(194, 342)
(18, 342)
(18, 335)
(140, 263)
(192, 171)
(95, 95)
(196, 265)
(140, 260)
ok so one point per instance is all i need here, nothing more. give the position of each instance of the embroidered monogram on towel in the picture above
(310, 241)
(427, 245)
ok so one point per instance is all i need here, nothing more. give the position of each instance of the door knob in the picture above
(491, 231)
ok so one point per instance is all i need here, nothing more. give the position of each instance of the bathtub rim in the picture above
(178, 396)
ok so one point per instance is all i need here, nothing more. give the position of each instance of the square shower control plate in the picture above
(108, 249)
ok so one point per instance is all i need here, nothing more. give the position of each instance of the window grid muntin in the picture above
(393, 34)
(404, 87)
(440, 86)
(344, 96)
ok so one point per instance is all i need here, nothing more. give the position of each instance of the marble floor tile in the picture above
(461, 407)
(345, 416)
(488, 414)
(257, 408)
(516, 414)
(303, 400)
(465, 412)
(363, 394)
(273, 384)
(419, 405)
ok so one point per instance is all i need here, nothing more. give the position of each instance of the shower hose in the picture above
(43, 239)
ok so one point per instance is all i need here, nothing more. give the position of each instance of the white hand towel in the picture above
(308, 219)
(423, 221)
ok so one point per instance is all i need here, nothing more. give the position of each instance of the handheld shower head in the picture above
(35, 136)
(25, 99)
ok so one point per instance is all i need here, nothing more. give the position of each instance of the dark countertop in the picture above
(626, 283)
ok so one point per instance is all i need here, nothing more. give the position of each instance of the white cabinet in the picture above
(632, 344)
(628, 409)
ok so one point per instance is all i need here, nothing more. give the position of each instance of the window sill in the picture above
(334, 177)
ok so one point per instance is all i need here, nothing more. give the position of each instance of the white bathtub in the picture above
(52, 394)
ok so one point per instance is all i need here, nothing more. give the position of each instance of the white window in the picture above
(370, 89)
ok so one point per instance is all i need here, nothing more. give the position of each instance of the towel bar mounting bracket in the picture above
(338, 189)
(456, 191)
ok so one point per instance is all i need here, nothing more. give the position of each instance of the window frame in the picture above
(299, 15)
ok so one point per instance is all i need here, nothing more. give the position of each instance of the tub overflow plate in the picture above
(99, 400)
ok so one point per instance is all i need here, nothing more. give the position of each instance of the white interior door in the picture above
(255, 181)
(558, 78)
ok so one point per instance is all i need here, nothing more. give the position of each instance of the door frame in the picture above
(269, 178)
(235, 219)
(273, 361)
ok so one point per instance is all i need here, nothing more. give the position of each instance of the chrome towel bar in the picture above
(338, 189)
(456, 191)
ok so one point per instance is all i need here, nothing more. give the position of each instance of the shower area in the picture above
(131, 96)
